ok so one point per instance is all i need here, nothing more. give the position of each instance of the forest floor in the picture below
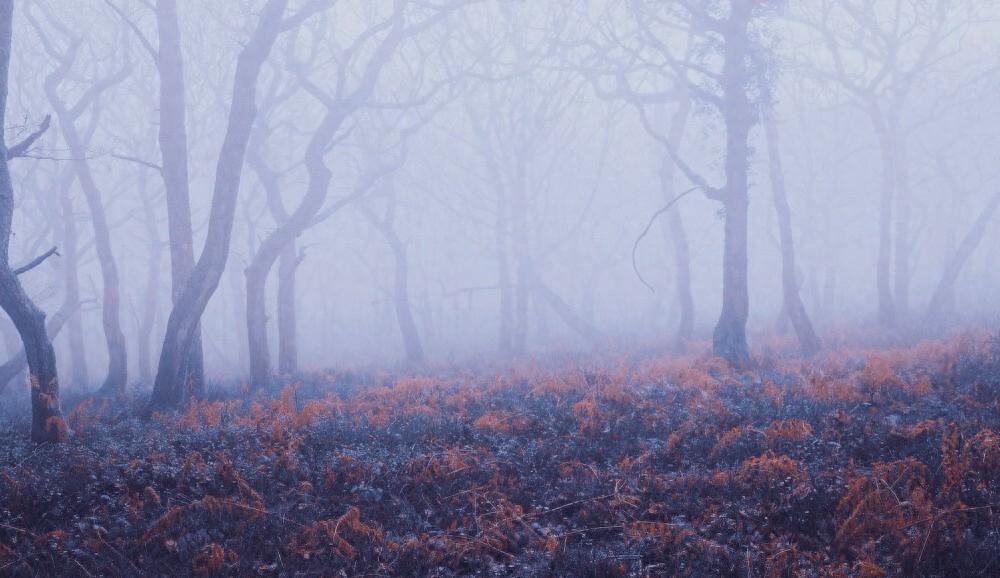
(857, 463)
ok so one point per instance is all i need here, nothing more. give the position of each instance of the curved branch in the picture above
(649, 225)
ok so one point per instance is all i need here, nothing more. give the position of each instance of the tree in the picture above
(726, 69)
(47, 424)
(879, 53)
(67, 116)
(172, 384)
(339, 104)
(793, 307)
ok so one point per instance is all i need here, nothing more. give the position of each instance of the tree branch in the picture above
(37, 261)
(21, 148)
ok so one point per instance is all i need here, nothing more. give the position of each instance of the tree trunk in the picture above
(505, 337)
(729, 340)
(886, 307)
(682, 253)
(174, 155)
(286, 233)
(944, 293)
(412, 345)
(47, 424)
(18, 362)
(288, 344)
(117, 376)
(793, 307)
(902, 255)
(151, 301)
(70, 261)
(522, 259)
(172, 383)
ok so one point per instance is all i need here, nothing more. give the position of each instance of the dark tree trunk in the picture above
(18, 362)
(172, 383)
(174, 154)
(793, 307)
(729, 340)
(47, 423)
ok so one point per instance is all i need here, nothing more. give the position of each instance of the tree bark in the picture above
(793, 307)
(729, 340)
(172, 384)
(47, 424)
(174, 155)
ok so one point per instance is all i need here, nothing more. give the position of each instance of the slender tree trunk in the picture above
(412, 345)
(902, 255)
(288, 344)
(174, 154)
(678, 235)
(151, 300)
(886, 307)
(286, 233)
(505, 337)
(793, 307)
(729, 339)
(70, 261)
(522, 258)
(47, 424)
(172, 379)
(117, 376)
(944, 293)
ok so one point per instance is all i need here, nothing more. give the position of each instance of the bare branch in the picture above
(37, 261)
(21, 148)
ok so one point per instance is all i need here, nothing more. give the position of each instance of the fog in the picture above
(434, 183)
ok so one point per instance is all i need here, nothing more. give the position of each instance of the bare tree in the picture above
(68, 115)
(47, 424)
(879, 53)
(172, 384)
(793, 307)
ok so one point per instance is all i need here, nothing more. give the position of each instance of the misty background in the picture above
(509, 140)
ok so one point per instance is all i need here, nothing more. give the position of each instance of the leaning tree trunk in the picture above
(729, 340)
(174, 155)
(172, 384)
(944, 294)
(47, 424)
(793, 307)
